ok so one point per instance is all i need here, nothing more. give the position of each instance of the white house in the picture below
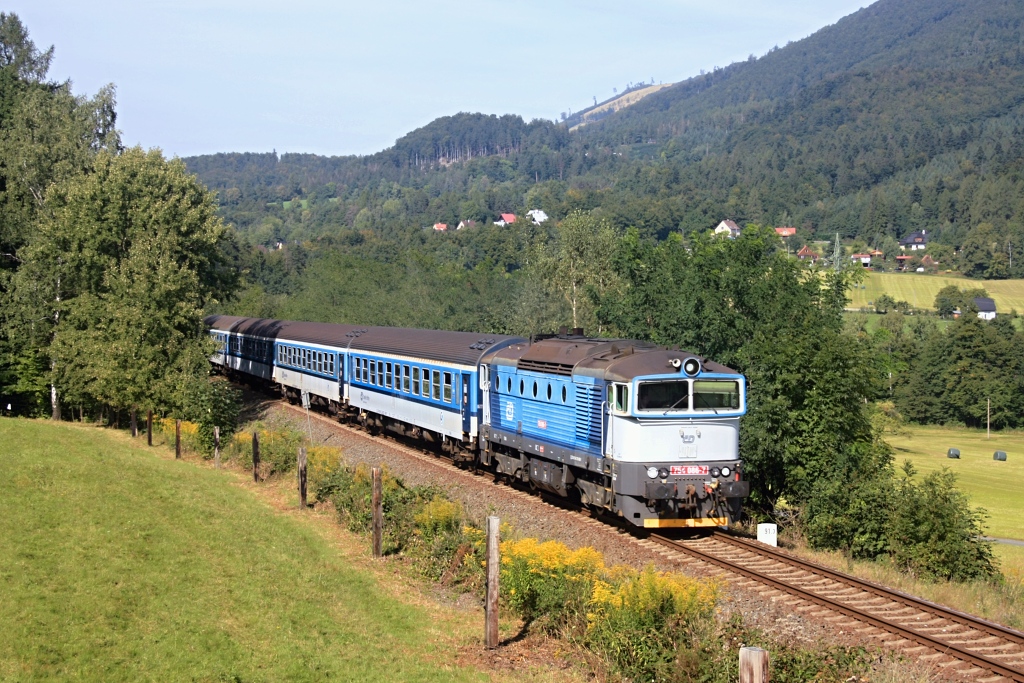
(728, 229)
(537, 216)
(915, 241)
(986, 307)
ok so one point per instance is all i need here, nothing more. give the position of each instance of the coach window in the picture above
(447, 387)
(388, 381)
(373, 372)
(437, 385)
(425, 385)
(415, 380)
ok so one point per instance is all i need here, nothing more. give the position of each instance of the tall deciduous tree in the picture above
(582, 262)
(127, 257)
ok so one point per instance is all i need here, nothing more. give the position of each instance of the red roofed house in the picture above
(902, 260)
(785, 232)
(929, 262)
(441, 227)
(806, 253)
(506, 219)
(865, 259)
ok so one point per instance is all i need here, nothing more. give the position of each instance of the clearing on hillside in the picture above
(118, 565)
(919, 290)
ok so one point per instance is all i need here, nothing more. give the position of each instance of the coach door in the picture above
(465, 409)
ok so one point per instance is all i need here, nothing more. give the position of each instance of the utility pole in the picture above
(988, 418)
(837, 255)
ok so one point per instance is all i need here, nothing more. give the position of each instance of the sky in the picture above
(206, 76)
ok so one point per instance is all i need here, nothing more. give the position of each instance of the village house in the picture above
(465, 224)
(728, 229)
(864, 259)
(785, 231)
(505, 219)
(806, 253)
(915, 241)
(903, 260)
(537, 216)
(441, 227)
(986, 307)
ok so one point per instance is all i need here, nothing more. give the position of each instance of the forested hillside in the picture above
(904, 116)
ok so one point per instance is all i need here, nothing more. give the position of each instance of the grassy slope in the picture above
(919, 289)
(119, 565)
(996, 486)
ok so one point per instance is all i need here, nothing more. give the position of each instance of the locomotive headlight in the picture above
(652, 472)
(663, 473)
(726, 471)
(715, 472)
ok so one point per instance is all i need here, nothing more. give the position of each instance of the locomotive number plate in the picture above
(690, 470)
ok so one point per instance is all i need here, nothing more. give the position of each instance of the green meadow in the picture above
(919, 289)
(996, 486)
(120, 564)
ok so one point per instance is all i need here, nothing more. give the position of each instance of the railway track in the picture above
(952, 641)
(948, 639)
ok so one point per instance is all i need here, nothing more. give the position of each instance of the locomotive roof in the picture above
(465, 348)
(618, 360)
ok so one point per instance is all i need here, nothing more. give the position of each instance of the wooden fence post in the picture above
(493, 568)
(302, 478)
(753, 665)
(256, 457)
(378, 513)
(149, 427)
(177, 439)
(216, 447)
(135, 423)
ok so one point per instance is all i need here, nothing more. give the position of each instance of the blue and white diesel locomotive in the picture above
(645, 432)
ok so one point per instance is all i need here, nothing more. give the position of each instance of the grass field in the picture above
(118, 564)
(996, 486)
(919, 290)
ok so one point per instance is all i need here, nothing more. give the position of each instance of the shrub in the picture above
(548, 583)
(935, 532)
(321, 464)
(279, 449)
(190, 439)
(928, 528)
(641, 623)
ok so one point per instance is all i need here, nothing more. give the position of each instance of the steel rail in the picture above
(836, 606)
(948, 613)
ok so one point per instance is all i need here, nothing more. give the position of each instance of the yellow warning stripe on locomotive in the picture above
(689, 523)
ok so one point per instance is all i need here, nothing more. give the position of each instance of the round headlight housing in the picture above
(726, 471)
(715, 472)
(663, 473)
(652, 472)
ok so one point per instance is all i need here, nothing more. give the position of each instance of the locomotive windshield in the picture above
(715, 394)
(671, 395)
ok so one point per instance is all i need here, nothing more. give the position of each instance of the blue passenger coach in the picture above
(648, 433)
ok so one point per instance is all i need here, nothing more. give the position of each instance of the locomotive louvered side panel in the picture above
(588, 413)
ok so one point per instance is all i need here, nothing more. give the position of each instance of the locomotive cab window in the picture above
(668, 395)
(711, 394)
(618, 398)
